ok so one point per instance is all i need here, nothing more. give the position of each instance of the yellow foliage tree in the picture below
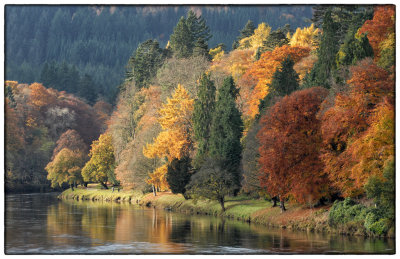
(66, 167)
(255, 82)
(256, 40)
(306, 37)
(216, 53)
(175, 139)
(100, 167)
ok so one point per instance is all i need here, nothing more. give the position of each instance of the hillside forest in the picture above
(299, 115)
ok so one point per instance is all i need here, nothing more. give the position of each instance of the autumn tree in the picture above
(381, 25)
(132, 125)
(306, 37)
(289, 148)
(70, 140)
(103, 111)
(100, 167)
(66, 168)
(256, 40)
(348, 120)
(202, 116)
(373, 150)
(284, 81)
(259, 76)
(175, 139)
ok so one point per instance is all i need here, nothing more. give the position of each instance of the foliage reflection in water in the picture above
(39, 223)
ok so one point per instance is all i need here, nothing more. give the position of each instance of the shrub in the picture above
(346, 211)
(376, 222)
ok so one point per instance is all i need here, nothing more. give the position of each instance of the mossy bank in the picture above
(240, 208)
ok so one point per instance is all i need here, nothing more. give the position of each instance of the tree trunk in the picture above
(72, 187)
(85, 184)
(274, 199)
(222, 203)
(282, 206)
(154, 190)
(104, 185)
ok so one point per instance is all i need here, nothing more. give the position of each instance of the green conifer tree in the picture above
(326, 64)
(226, 129)
(178, 175)
(247, 31)
(181, 40)
(143, 64)
(202, 116)
(285, 79)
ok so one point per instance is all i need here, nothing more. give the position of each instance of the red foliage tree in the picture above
(289, 147)
(379, 27)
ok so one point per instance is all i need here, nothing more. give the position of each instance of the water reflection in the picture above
(41, 224)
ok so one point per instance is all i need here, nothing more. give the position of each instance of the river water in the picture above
(41, 224)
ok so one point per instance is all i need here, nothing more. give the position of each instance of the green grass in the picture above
(101, 194)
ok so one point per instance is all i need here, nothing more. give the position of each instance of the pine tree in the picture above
(178, 175)
(143, 64)
(190, 36)
(285, 79)
(181, 40)
(198, 27)
(323, 68)
(247, 31)
(202, 116)
(226, 129)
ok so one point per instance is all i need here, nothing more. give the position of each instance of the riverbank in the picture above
(240, 208)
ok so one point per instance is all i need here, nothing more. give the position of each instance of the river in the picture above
(41, 224)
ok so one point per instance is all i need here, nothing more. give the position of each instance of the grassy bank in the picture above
(239, 208)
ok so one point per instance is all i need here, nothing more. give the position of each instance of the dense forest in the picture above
(290, 114)
(51, 44)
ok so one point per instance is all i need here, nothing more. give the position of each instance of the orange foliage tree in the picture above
(71, 140)
(290, 139)
(259, 75)
(375, 147)
(132, 125)
(381, 25)
(348, 120)
(175, 139)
